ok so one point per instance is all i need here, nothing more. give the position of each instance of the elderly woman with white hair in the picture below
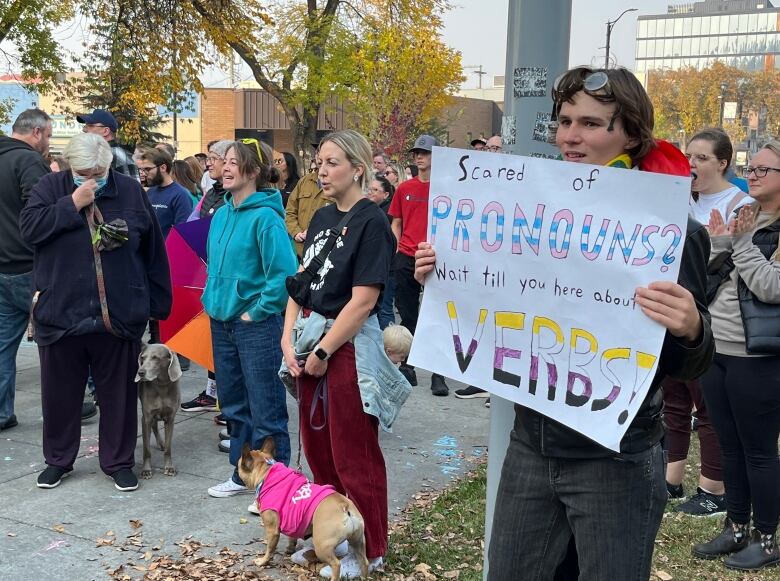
(100, 272)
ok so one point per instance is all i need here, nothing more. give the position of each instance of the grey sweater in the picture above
(762, 277)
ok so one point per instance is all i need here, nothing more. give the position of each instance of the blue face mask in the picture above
(101, 182)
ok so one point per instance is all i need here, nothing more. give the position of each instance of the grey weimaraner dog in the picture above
(158, 388)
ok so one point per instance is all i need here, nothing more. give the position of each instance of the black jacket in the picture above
(122, 161)
(137, 279)
(677, 360)
(213, 200)
(20, 169)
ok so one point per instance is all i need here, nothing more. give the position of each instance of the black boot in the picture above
(733, 538)
(438, 385)
(409, 373)
(761, 552)
(88, 410)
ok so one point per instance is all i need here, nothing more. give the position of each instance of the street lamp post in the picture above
(610, 25)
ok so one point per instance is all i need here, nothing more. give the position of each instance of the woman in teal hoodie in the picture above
(249, 258)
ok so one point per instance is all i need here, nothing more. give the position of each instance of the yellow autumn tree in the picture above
(688, 99)
(305, 53)
(405, 76)
(313, 50)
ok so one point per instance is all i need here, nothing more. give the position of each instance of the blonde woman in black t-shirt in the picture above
(339, 433)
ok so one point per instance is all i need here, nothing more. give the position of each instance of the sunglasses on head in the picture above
(256, 143)
(593, 83)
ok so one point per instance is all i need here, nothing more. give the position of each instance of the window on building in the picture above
(641, 49)
(733, 23)
(694, 45)
(675, 64)
(642, 33)
(752, 22)
(677, 47)
(743, 23)
(686, 47)
(651, 28)
(723, 24)
(705, 24)
(687, 26)
(658, 51)
(641, 66)
(743, 43)
(765, 21)
(733, 44)
(750, 43)
(723, 45)
(669, 27)
(678, 26)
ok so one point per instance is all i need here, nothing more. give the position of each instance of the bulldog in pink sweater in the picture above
(292, 505)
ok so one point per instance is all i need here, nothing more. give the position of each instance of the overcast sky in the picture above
(478, 28)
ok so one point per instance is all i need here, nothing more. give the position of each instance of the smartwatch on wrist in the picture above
(321, 354)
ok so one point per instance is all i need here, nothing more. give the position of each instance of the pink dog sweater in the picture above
(293, 497)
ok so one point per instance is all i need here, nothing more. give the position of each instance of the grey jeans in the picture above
(612, 507)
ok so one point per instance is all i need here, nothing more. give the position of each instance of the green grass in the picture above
(442, 537)
(679, 533)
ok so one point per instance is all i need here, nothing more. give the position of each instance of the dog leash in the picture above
(93, 213)
(298, 465)
(320, 395)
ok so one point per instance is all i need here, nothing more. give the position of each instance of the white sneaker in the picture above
(299, 556)
(253, 508)
(227, 488)
(350, 569)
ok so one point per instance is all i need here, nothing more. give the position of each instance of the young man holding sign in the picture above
(556, 483)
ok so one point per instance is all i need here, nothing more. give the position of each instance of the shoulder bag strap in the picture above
(733, 204)
(93, 213)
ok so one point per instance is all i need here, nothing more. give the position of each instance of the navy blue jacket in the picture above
(137, 278)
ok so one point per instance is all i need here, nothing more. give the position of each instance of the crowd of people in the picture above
(305, 275)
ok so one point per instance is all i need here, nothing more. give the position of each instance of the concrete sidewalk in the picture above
(63, 533)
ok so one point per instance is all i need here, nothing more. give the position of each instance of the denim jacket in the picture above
(383, 389)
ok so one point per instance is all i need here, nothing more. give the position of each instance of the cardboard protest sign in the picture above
(532, 297)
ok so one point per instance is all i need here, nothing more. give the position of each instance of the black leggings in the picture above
(743, 398)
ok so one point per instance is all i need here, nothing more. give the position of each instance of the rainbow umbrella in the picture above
(187, 330)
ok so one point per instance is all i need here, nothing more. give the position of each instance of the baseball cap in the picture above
(98, 117)
(478, 140)
(424, 143)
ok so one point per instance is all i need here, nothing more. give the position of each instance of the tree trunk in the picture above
(304, 130)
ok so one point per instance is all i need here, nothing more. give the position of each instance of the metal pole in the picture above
(537, 52)
(610, 25)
